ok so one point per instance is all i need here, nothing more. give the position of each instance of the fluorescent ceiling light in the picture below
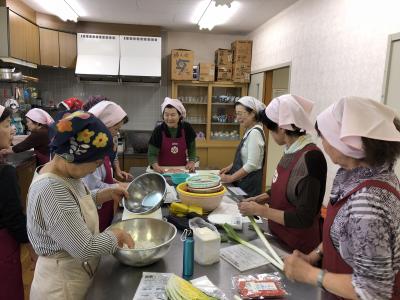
(64, 9)
(215, 12)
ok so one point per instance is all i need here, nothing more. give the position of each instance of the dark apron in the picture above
(332, 261)
(106, 212)
(303, 239)
(252, 182)
(173, 150)
(11, 286)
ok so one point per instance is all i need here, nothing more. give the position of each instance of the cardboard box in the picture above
(223, 73)
(241, 73)
(223, 57)
(182, 64)
(242, 51)
(206, 71)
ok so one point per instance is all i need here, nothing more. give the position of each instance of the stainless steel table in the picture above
(116, 281)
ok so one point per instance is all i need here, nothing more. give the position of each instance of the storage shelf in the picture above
(220, 123)
(197, 103)
(217, 103)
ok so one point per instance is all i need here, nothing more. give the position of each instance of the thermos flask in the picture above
(188, 253)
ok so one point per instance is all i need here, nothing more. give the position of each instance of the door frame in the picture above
(392, 38)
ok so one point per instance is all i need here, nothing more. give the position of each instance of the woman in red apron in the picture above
(113, 116)
(62, 219)
(12, 221)
(298, 184)
(360, 250)
(173, 142)
(37, 121)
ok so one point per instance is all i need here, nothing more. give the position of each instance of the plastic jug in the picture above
(207, 241)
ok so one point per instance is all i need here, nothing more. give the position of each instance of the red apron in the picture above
(106, 212)
(332, 261)
(11, 286)
(41, 158)
(303, 239)
(173, 150)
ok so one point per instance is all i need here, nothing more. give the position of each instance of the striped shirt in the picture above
(55, 222)
(366, 230)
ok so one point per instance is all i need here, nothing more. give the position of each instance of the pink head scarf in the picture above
(39, 116)
(176, 104)
(108, 112)
(344, 123)
(291, 109)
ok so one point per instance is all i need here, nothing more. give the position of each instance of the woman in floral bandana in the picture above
(62, 219)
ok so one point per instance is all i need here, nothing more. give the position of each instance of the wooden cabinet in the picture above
(24, 38)
(25, 173)
(210, 110)
(67, 44)
(49, 47)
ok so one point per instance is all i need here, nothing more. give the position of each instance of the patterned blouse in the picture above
(366, 230)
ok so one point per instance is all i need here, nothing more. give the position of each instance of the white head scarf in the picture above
(176, 104)
(252, 103)
(39, 116)
(2, 108)
(291, 109)
(344, 123)
(110, 113)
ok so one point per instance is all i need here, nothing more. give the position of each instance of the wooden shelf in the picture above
(227, 124)
(217, 103)
(196, 103)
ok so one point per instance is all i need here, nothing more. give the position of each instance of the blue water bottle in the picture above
(188, 253)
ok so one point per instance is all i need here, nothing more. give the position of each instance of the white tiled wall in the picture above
(336, 48)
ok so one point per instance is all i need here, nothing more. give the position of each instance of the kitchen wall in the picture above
(335, 47)
(141, 101)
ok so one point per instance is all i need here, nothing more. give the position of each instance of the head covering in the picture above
(80, 137)
(39, 116)
(2, 108)
(344, 123)
(108, 112)
(71, 104)
(93, 100)
(289, 109)
(252, 103)
(176, 104)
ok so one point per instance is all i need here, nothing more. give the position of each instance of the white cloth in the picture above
(252, 151)
(252, 103)
(1, 110)
(299, 144)
(95, 180)
(39, 116)
(291, 109)
(108, 112)
(344, 123)
(175, 103)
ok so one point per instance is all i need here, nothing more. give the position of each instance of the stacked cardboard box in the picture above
(182, 64)
(223, 62)
(241, 60)
(206, 72)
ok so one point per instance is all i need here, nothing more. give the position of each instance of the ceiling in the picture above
(173, 15)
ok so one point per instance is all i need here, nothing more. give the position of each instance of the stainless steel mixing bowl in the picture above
(146, 193)
(156, 234)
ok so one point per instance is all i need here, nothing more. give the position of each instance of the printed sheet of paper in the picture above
(152, 286)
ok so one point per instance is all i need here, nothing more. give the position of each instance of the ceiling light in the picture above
(60, 8)
(216, 12)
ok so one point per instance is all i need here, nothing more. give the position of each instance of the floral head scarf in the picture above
(80, 137)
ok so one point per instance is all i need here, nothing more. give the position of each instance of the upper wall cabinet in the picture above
(19, 37)
(57, 49)
(67, 43)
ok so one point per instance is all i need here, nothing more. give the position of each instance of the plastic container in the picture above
(208, 202)
(207, 241)
(179, 177)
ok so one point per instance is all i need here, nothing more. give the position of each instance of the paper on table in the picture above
(237, 191)
(152, 286)
(243, 258)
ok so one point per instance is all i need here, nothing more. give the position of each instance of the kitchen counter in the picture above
(116, 281)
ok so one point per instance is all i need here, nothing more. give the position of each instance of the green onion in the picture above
(232, 234)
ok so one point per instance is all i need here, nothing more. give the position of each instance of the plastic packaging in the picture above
(259, 286)
(207, 241)
(206, 286)
(188, 253)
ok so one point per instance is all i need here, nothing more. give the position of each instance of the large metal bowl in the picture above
(145, 231)
(146, 193)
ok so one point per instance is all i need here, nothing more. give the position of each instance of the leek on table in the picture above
(232, 234)
(264, 240)
(178, 288)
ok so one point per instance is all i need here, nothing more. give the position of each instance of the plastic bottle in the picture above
(188, 253)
